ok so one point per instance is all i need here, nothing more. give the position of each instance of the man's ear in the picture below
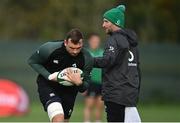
(81, 41)
(65, 42)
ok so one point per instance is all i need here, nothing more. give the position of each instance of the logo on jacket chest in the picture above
(111, 48)
(131, 59)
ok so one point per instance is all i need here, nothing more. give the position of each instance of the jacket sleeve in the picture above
(86, 73)
(138, 68)
(112, 49)
(37, 60)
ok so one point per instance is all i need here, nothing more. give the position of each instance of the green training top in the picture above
(53, 57)
(96, 73)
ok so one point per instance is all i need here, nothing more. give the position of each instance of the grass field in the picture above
(149, 113)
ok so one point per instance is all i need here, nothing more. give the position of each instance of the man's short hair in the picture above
(75, 35)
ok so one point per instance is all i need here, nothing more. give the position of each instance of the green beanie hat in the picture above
(116, 15)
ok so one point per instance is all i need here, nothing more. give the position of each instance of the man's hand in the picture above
(74, 78)
(84, 93)
(53, 76)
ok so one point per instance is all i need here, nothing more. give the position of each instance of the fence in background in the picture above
(160, 64)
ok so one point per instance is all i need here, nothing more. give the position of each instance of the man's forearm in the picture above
(40, 69)
(100, 62)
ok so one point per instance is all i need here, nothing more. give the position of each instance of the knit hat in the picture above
(116, 15)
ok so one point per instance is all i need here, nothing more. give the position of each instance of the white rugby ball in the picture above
(62, 76)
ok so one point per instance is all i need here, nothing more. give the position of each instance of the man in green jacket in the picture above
(120, 63)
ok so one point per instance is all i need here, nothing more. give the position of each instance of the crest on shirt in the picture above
(51, 94)
(56, 61)
(74, 65)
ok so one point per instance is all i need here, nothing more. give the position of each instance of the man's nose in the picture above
(103, 24)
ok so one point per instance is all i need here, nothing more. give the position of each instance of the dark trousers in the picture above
(115, 112)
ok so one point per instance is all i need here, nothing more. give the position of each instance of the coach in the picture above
(120, 63)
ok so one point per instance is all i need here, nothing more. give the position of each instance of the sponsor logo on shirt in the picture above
(131, 56)
(131, 59)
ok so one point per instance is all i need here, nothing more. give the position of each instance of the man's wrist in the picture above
(53, 76)
(50, 77)
(78, 83)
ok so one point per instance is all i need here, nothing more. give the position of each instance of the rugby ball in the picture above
(62, 76)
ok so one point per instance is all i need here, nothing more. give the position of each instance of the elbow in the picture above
(29, 61)
(99, 63)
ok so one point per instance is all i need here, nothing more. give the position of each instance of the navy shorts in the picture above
(94, 90)
(50, 91)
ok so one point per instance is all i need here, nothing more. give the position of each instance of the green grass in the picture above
(149, 113)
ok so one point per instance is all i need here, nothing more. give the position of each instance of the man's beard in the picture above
(108, 31)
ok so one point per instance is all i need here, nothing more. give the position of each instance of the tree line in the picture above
(37, 20)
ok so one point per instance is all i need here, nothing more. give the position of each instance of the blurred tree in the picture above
(153, 20)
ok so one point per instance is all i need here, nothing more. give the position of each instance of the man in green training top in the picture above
(52, 57)
(93, 94)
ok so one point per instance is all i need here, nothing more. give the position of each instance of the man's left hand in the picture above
(74, 78)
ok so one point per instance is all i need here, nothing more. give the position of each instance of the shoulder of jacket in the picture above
(120, 40)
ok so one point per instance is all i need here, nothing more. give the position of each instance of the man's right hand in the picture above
(53, 76)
